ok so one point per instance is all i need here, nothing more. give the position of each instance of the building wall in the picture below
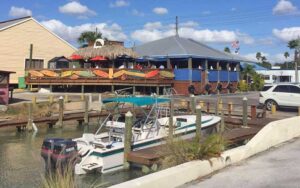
(15, 44)
(272, 76)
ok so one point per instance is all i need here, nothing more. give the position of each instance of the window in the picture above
(266, 88)
(266, 77)
(282, 88)
(35, 64)
(294, 89)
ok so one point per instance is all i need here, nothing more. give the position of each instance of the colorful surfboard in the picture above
(166, 74)
(74, 77)
(101, 73)
(135, 73)
(110, 73)
(49, 73)
(151, 74)
(84, 73)
(34, 73)
(66, 73)
(119, 73)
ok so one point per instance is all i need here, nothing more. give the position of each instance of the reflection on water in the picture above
(22, 166)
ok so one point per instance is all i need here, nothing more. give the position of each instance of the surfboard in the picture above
(74, 77)
(151, 74)
(101, 73)
(49, 73)
(118, 74)
(110, 73)
(135, 73)
(66, 73)
(84, 73)
(34, 73)
(166, 74)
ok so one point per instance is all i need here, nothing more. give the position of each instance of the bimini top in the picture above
(138, 101)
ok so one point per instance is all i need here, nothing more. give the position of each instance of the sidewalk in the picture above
(278, 167)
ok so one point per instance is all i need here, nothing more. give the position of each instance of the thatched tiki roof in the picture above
(108, 51)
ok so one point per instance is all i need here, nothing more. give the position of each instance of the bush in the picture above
(242, 86)
(180, 151)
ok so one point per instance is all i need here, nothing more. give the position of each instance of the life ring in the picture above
(123, 77)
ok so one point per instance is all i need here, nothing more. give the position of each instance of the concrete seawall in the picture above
(271, 135)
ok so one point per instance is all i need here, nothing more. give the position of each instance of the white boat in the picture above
(105, 151)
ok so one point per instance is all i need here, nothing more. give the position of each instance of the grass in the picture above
(59, 179)
(178, 151)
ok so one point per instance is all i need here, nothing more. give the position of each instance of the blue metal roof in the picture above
(254, 65)
(138, 101)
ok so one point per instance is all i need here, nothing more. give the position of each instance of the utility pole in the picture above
(297, 50)
(176, 26)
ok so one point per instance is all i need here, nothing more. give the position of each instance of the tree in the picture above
(265, 63)
(88, 38)
(295, 45)
(227, 49)
(258, 56)
(286, 55)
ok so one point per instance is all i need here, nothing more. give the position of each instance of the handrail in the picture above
(104, 122)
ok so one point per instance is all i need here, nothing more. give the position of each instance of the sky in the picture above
(259, 25)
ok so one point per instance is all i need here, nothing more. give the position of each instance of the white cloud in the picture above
(135, 12)
(119, 3)
(76, 8)
(160, 10)
(156, 30)
(71, 33)
(285, 7)
(272, 58)
(287, 34)
(19, 12)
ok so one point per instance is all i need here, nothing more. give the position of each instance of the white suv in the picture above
(280, 95)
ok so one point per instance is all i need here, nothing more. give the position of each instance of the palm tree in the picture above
(227, 49)
(89, 37)
(258, 55)
(286, 55)
(295, 44)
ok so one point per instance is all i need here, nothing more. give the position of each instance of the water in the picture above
(22, 166)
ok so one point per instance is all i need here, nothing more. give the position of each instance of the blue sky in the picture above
(259, 25)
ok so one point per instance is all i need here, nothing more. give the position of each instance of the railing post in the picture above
(230, 109)
(86, 111)
(253, 112)
(128, 137)
(198, 121)
(202, 104)
(245, 112)
(59, 123)
(171, 119)
(29, 126)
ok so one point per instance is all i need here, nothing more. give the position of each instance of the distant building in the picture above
(17, 35)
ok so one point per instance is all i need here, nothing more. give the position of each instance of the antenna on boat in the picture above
(176, 27)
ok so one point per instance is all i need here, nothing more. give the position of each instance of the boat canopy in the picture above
(138, 101)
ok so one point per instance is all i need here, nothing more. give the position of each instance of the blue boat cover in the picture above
(138, 101)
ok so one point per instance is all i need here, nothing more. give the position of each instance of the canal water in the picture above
(22, 166)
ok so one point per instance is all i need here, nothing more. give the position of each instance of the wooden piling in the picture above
(230, 107)
(245, 112)
(217, 106)
(253, 112)
(59, 123)
(207, 107)
(193, 104)
(198, 121)
(222, 129)
(171, 131)
(82, 96)
(51, 99)
(273, 109)
(34, 100)
(29, 126)
(128, 137)
(66, 98)
(86, 110)
(202, 104)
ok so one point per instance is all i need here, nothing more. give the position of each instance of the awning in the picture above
(98, 58)
(75, 57)
(138, 101)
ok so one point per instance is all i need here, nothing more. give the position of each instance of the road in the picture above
(278, 167)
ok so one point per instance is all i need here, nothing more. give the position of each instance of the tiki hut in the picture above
(111, 52)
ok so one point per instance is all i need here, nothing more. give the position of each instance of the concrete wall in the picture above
(15, 44)
(271, 135)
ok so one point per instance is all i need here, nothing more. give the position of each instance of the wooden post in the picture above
(245, 112)
(60, 112)
(133, 90)
(202, 104)
(82, 88)
(169, 66)
(273, 109)
(128, 137)
(30, 54)
(299, 111)
(198, 121)
(193, 104)
(157, 90)
(82, 97)
(253, 112)
(34, 100)
(86, 111)
(206, 71)
(112, 88)
(100, 100)
(220, 106)
(222, 121)
(30, 117)
(190, 67)
(207, 107)
(51, 88)
(66, 98)
(218, 71)
(217, 106)
(230, 109)
(171, 118)
(51, 99)
(90, 98)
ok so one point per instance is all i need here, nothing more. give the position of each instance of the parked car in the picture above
(280, 95)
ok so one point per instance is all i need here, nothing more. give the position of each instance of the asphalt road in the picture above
(278, 167)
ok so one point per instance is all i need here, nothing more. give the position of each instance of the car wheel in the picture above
(270, 103)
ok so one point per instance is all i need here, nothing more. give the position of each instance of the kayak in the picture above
(119, 73)
(135, 73)
(49, 73)
(66, 73)
(34, 73)
(84, 73)
(166, 74)
(151, 74)
(101, 73)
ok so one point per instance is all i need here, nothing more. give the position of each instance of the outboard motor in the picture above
(47, 150)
